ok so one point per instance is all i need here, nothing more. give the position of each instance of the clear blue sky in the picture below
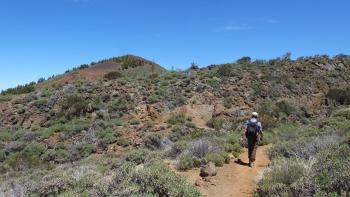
(39, 38)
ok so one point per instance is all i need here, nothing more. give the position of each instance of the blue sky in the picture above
(39, 38)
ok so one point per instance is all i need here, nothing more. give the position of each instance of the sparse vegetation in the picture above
(72, 135)
(113, 75)
(216, 123)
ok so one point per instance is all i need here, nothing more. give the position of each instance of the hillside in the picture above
(86, 133)
(128, 65)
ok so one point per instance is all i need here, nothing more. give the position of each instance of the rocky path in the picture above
(235, 179)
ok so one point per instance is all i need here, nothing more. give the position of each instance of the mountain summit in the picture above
(127, 65)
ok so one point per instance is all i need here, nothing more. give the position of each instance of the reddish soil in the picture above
(235, 179)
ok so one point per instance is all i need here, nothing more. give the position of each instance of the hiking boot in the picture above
(251, 164)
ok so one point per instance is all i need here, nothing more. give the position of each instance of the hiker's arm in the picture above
(244, 133)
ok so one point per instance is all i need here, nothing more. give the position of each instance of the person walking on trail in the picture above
(253, 132)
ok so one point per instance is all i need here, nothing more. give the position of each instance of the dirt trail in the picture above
(235, 179)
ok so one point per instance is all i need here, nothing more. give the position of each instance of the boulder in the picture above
(208, 170)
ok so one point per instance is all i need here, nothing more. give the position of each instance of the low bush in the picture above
(21, 162)
(75, 105)
(113, 75)
(217, 158)
(201, 147)
(331, 171)
(34, 149)
(57, 156)
(326, 175)
(53, 185)
(345, 112)
(185, 162)
(153, 141)
(5, 98)
(137, 156)
(109, 136)
(177, 148)
(339, 96)
(134, 121)
(116, 122)
(2, 155)
(228, 102)
(149, 124)
(119, 106)
(177, 119)
(7, 135)
(123, 142)
(88, 149)
(225, 70)
(159, 180)
(216, 123)
(179, 132)
(153, 99)
(304, 147)
(285, 107)
(278, 178)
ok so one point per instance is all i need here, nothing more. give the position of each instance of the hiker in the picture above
(253, 132)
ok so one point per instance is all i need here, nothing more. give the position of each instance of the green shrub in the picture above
(345, 112)
(214, 83)
(120, 105)
(134, 121)
(5, 98)
(228, 102)
(113, 75)
(137, 156)
(159, 180)
(177, 119)
(21, 162)
(123, 142)
(58, 155)
(109, 138)
(185, 162)
(285, 107)
(7, 135)
(34, 149)
(149, 124)
(177, 148)
(2, 155)
(305, 147)
(216, 123)
(178, 132)
(116, 122)
(88, 149)
(217, 158)
(268, 115)
(153, 141)
(339, 96)
(75, 126)
(75, 105)
(332, 170)
(225, 70)
(153, 99)
(281, 175)
(226, 157)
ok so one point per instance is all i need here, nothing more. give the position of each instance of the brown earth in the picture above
(232, 180)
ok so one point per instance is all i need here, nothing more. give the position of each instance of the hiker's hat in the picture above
(255, 114)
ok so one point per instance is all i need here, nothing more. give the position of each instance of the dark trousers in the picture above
(252, 147)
